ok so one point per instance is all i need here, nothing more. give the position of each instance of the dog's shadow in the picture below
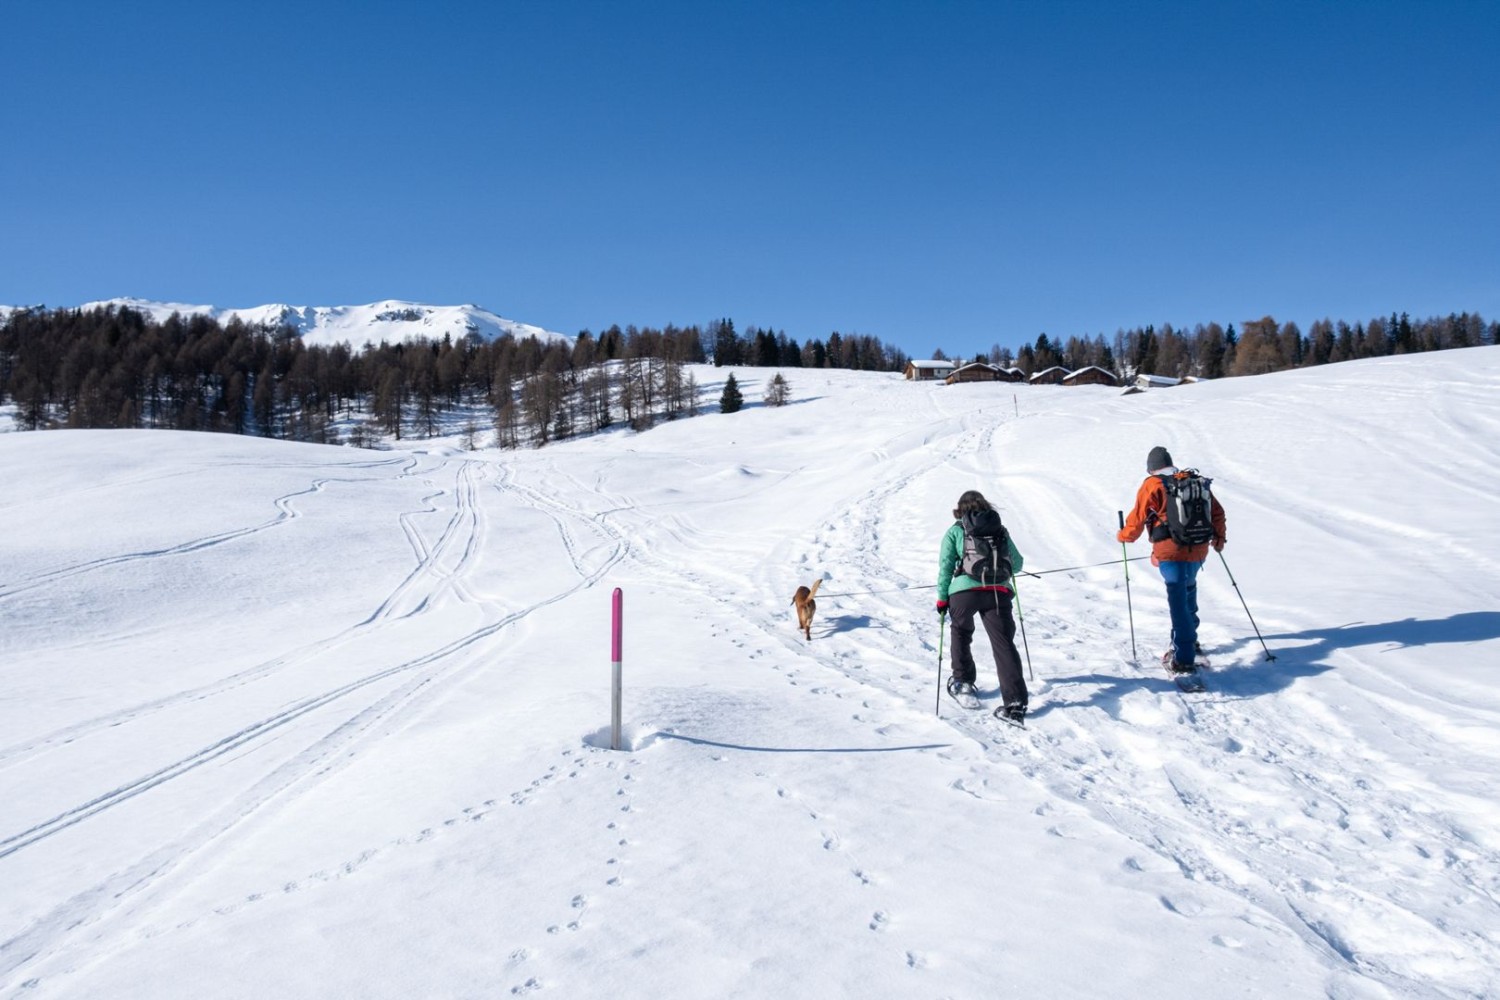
(834, 624)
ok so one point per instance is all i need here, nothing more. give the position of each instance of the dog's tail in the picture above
(814, 591)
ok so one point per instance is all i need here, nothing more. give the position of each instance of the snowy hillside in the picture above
(391, 320)
(281, 720)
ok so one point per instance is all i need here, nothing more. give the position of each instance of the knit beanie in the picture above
(1159, 458)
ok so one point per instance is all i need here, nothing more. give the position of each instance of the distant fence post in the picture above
(616, 646)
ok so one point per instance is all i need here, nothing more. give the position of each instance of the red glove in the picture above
(1218, 545)
(942, 608)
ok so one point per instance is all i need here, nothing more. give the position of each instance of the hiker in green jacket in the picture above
(975, 564)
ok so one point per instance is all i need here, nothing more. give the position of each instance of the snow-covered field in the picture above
(280, 720)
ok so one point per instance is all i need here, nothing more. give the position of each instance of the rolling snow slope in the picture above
(298, 721)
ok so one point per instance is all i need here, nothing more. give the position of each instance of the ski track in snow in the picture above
(286, 511)
(440, 570)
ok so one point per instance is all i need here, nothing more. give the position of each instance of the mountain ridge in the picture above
(389, 320)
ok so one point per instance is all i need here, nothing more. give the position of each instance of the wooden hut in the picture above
(1012, 375)
(922, 371)
(1156, 381)
(975, 371)
(1092, 375)
(1050, 376)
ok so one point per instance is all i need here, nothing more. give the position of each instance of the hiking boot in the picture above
(957, 687)
(1173, 667)
(1015, 713)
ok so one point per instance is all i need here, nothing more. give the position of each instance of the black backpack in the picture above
(1189, 514)
(986, 555)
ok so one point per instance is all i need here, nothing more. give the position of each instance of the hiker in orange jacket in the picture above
(1179, 564)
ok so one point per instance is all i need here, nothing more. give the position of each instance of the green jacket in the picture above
(951, 553)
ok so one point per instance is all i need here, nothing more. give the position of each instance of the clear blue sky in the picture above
(935, 174)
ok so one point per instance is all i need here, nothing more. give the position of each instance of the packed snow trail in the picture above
(1277, 785)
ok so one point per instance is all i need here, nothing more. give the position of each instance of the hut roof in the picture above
(1156, 381)
(1091, 368)
(1056, 371)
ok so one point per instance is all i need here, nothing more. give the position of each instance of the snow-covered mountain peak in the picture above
(390, 320)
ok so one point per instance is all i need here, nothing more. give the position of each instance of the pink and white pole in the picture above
(616, 646)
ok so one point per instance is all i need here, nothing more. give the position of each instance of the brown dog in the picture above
(803, 601)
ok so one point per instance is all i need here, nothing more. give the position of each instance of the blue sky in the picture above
(948, 175)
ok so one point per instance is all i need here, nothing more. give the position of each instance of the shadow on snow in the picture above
(700, 741)
(1293, 662)
(834, 624)
(1470, 626)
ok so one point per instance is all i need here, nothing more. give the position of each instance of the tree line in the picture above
(117, 367)
(1260, 346)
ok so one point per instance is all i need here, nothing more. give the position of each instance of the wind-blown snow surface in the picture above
(392, 320)
(293, 721)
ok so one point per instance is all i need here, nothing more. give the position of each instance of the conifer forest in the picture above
(114, 367)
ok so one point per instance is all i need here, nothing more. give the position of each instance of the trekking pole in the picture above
(1269, 654)
(1129, 609)
(1021, 616)
(937, 704)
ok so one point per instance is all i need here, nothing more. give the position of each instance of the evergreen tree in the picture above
(766, 353)
(726, 344)
(1402, 336)
(732, 399)
(1046, 355)
(1213, 348)
(1145, 356)
(789, 352)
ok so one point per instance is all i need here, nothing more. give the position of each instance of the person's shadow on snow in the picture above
(1300, 654)
(848, 623)
(1470, 626)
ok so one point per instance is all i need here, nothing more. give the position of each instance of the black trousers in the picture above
(993, 609)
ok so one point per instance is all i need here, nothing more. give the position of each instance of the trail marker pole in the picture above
(616, 646)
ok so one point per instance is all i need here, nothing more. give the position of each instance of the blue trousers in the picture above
(1182, 602)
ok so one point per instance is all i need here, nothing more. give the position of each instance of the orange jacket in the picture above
(1151, 509)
